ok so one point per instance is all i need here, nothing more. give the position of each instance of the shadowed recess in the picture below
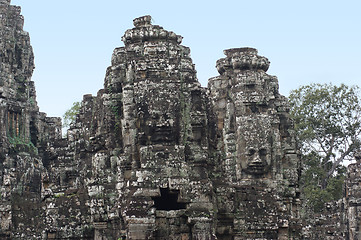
(168, 200)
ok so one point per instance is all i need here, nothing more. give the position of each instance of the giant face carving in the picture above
(254, 144)
(256, 158)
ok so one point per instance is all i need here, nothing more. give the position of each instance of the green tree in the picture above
(70, 115)
(327, 122)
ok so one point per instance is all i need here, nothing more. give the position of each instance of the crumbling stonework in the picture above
(341, 219)
(154, 155)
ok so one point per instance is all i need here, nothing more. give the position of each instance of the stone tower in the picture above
(258, 198)
(21, 120)
(160, 110)
(137, 158)
(17, 92)
(23, 129)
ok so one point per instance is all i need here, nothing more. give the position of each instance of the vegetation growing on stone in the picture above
(70, 115)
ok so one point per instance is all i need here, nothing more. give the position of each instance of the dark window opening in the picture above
(196, 100)
(168, 200)
(251, 86)
(33, 133)
(254, 108)
(18, 53)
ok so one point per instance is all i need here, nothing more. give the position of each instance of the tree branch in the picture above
(339, 160)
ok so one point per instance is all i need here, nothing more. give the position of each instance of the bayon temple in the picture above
(154, 155)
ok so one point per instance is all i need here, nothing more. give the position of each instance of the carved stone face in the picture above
(257, 160)
(254, 145)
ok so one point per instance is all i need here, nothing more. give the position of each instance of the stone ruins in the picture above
(155, 155)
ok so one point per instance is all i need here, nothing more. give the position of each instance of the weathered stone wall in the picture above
(331, 224)
(22, 131)
(154, 155)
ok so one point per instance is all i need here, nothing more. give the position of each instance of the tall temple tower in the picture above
(258, 198)
(160, 109)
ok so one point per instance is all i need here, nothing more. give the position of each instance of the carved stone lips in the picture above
(256, 167)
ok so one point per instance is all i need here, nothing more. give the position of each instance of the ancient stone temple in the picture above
(258, 166)
(154, 155)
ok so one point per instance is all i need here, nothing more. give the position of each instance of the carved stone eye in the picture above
(251, 152)
(263, 152)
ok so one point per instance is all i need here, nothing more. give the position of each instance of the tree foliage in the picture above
(327, 122)
(70, 115)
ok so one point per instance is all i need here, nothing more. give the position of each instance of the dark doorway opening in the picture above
(168, 200)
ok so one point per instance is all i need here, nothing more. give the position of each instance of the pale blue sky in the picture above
(306, 41)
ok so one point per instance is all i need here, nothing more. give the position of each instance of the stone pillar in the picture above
(140, 228)
(202, 228)
(353, 198)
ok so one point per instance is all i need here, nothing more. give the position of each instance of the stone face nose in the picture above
(256, 159)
